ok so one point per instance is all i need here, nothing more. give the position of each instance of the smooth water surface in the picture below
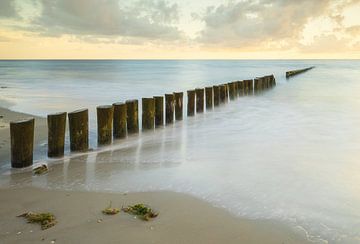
(290, 154)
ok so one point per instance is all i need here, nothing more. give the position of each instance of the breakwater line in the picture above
(119, 120)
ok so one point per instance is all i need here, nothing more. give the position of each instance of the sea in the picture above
(290, 154)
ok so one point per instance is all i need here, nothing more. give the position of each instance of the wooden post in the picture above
(209, 97)
(119, 121)
(105, 115)
(251, 86)
(231, 86)
(159, 111)
(191, 103)
(226, 93)
(222, 93)
(256, 85)
(79, 130)
(199, 100)
(132, 116)
(236, 86)
(178, 96)
(216, 95)
(22, 143)
(169, 111)
(56, 134)
(241, 88)
(148, 114)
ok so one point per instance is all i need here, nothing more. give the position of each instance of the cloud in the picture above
(7, 9)
(108, 18)
(264, 23)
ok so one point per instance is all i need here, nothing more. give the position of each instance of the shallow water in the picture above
(290, 154)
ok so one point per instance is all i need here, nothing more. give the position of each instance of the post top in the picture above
(26, 120)
(118, 104)
(104, 107)
(79, 111)
(131, 101)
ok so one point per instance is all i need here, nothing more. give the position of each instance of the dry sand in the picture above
(182, 219)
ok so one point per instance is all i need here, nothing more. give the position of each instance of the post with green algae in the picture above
(22, 142)
(159, 111)
(79, 130)
(209, 97)
(119, 120)
(216, 90)
(132, 115)
(169, 108)
(105, 115)
(240, 88)
(250, 86)
(191, 103)
(199, 100)
(56, 134)
(148, 114)
(178, 96)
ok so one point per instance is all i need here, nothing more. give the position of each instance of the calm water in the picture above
(290, 154)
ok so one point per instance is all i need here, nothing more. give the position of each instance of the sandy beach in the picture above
(182, 219)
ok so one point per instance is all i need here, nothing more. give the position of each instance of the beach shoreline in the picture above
(183, 218)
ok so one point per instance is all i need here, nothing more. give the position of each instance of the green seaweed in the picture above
(46, 220)
(142, 211)
(110, 211)
(41, 170)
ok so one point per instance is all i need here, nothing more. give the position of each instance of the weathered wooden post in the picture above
(178, 96)
(246, 87)
(236, 86)
(222, 93)
(104, 124)
(169, 108)
(119, 121)
(148, 114)
(191, 103)
(232, 90)
(263, 83)
(159, 111)
(251, 86)
(79, 130)
(241, 88)
(216, 95)
(199, 100)
(56, 134)
(22, 143)
(209, 97)
(226, 93)
(256, 85)
(132, 116)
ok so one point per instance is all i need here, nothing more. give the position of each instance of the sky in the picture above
(179, 29)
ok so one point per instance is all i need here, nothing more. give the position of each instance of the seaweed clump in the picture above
(110, 211)
(142, 211)
(41, 170)
(46, 220)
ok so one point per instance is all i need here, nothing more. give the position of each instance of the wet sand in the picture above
(182, 219)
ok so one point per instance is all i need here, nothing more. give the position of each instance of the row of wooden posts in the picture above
(288, 74)
(121, 119)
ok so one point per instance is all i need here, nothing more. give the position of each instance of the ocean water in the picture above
(291, 154)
